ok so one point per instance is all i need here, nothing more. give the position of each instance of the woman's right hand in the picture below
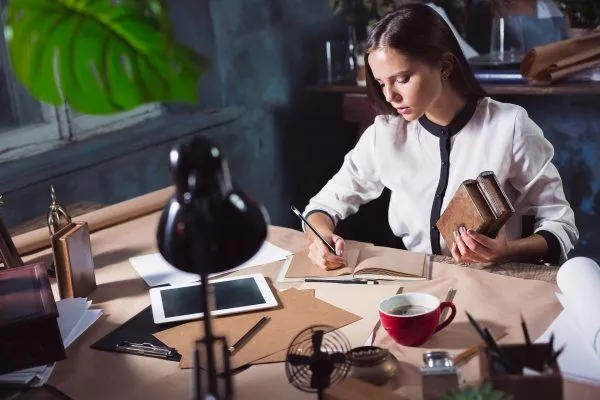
(321, 256)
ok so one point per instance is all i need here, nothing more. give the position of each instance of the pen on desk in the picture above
(312, 228)
(348, 281)
(244, 339)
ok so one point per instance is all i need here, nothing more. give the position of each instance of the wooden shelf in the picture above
(579, 88)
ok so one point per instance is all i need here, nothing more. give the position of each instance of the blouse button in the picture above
(433, 227)
(444, 163)
(437, 195)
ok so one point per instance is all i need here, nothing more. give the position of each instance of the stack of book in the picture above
(75, 316)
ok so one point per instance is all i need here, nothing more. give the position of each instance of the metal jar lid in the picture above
(438, 359)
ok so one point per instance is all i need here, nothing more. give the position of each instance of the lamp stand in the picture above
(208, 383)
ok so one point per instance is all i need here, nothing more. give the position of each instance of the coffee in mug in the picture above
(410, 309)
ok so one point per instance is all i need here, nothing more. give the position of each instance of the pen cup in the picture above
(520, 385)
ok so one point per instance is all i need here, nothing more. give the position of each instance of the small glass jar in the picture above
(439, 375)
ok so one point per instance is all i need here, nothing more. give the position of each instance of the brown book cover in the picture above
(73, 260)
(479, 204)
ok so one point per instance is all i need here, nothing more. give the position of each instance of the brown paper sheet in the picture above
(370, 259)
(99, 219)
(554, 61)
(300, 309)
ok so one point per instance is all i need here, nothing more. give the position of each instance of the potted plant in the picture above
(99, 57)
(484, 392)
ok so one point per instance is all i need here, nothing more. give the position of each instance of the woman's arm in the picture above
(541, 191)
(541, 195)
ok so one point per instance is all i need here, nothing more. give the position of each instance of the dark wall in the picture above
(572, 125)
(264, 55)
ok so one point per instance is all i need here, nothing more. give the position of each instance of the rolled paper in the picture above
(579, 282)
(108, 216)
(549, 63)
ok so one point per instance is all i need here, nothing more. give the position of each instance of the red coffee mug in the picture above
(414, 329)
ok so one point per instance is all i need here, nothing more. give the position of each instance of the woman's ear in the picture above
(447, 65)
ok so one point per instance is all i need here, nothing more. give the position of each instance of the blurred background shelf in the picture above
(583, 88)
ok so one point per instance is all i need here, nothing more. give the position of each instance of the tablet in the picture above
(232, 295)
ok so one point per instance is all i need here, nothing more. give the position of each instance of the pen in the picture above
(242, 341)
(312, 228)
(356, 281)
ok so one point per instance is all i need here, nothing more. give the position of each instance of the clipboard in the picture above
(136, 337)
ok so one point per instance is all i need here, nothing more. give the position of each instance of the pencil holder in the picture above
(522, 378)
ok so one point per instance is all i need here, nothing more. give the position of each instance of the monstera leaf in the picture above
(99, 56)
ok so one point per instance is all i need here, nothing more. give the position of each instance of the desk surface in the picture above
(493, 89)
(121, 293)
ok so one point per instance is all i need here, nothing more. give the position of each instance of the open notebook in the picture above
(368, 262)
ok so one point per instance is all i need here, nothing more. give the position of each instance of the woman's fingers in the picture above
(339, 244)
(321, 256)
(465, 254)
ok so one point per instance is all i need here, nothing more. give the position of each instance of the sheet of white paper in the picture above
(74, 318)
(88, 318)
(548, 9)
(70, 312)
(35, 376)
(577, 361)
(579, 282)
(41, 379)
(156, 271)
(468, 51)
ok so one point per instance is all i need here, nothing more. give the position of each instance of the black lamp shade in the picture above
(208, 226)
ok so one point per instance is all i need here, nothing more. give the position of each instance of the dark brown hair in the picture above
(421, 33)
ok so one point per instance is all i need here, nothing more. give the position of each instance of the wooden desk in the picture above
(121, 293)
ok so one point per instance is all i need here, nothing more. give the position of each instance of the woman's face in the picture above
(409, 85)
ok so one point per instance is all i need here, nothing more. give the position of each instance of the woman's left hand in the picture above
(472, 247)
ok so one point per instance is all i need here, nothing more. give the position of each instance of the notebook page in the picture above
(302, 267)
(579, 282)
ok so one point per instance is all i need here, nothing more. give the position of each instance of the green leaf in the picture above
(99, 56)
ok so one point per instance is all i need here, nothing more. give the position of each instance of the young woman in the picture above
(437, 128)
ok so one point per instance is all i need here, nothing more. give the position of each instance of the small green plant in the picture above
(484, 392)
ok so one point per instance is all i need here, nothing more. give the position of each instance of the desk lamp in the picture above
(208, 226)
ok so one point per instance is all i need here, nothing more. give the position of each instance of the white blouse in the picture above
(423, 165)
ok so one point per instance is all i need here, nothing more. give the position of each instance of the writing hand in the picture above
(321, 256)
(472, 247)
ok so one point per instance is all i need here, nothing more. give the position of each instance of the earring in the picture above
(445, 76)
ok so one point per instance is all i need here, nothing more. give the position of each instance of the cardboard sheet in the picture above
(299, 310)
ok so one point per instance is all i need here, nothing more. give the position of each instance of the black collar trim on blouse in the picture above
(463, 117)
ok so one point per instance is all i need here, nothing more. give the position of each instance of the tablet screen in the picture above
(228, 294)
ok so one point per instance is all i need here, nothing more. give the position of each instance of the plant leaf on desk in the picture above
(100, 56)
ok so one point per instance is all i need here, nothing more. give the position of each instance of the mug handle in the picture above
(444, 324)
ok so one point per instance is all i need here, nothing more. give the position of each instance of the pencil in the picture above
(471, 351)
(242, 341)
(312, 228)
(467, 354)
